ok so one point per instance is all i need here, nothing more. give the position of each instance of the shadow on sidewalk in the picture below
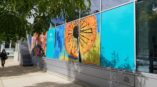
(55, 84)
(17, 71)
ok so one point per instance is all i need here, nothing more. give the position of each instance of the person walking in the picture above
(3, 56)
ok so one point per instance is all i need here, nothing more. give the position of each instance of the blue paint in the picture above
(98, 20)
(55, 42)
(117, 38)
(59, 42)
(50, 43)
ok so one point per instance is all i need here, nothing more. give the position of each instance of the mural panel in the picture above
(59, 43)
(89, 40)
(50, 43)
(117, 38)
(72, 40)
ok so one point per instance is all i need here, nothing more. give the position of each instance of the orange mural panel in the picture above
(80, 33)
(71, 40)
(88, 31)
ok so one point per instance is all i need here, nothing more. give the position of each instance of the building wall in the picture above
(115, 33)
(110, 46)
(105, 39)
(99, 76)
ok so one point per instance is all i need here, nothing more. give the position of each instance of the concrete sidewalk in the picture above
(14, 75)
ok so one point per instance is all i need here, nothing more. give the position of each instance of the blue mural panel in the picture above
(50, 43)
(117, 38)
(55, 43)
(59, 42)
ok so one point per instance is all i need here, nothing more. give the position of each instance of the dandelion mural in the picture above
(80, 37)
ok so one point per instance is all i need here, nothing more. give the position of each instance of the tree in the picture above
(48, 9)
(14, 15)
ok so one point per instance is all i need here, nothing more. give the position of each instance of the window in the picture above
(146, 15)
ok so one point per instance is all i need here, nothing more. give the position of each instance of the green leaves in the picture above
(14, 15)
(12, 26)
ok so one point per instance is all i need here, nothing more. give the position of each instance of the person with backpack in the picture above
(3, 56)
(38, 53)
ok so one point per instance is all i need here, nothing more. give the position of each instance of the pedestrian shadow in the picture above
(55, 84)
(17, 70)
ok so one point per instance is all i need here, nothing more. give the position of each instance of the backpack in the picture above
(38, 51)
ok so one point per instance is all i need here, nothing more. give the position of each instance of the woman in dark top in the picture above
(3, 56)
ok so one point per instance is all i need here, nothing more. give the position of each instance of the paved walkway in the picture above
(17, 76)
